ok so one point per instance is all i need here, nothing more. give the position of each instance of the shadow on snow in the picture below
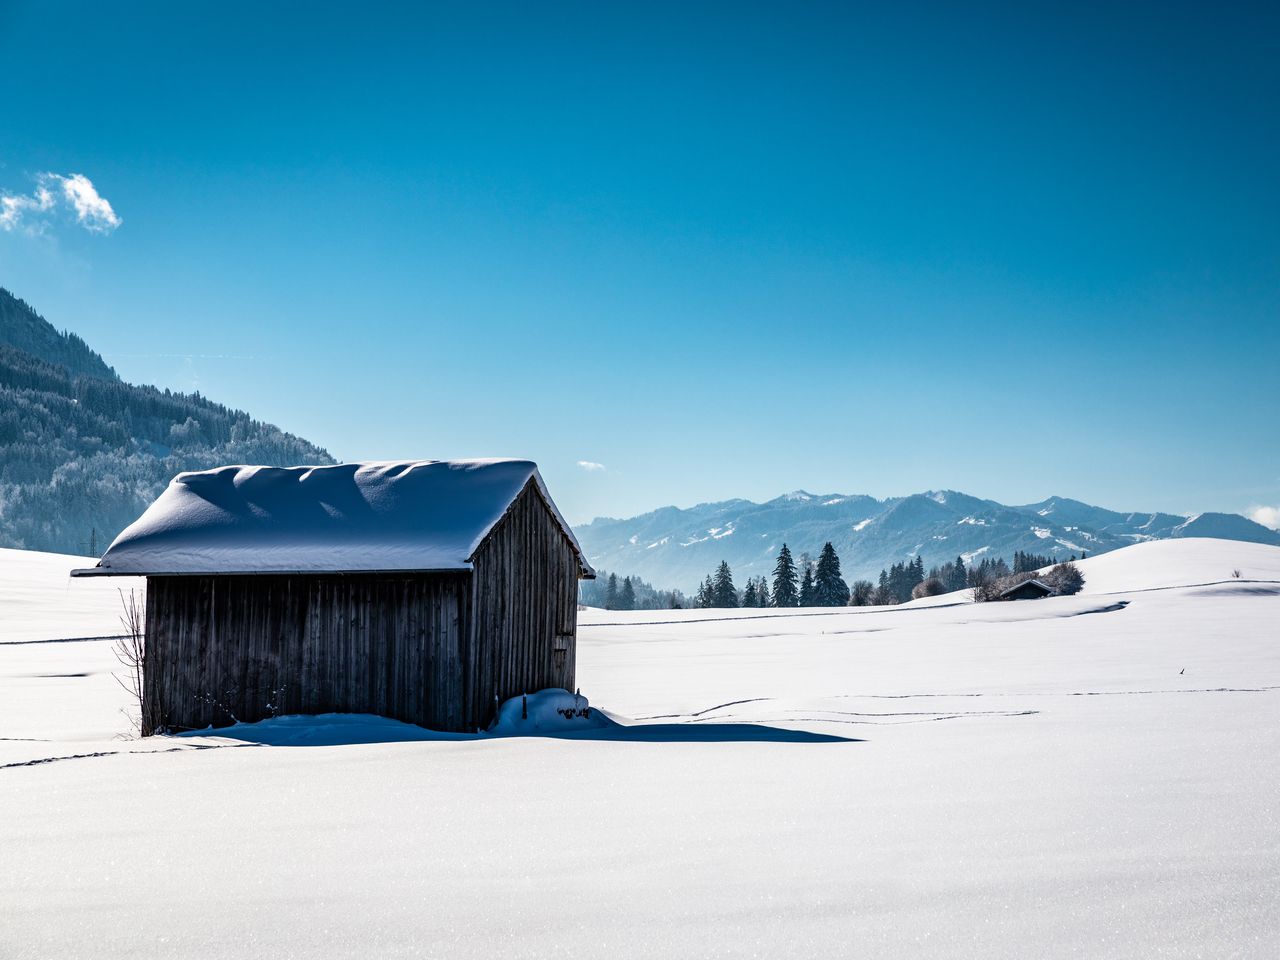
(340, 729)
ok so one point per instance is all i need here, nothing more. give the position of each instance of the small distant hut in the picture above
(1026, 590)
(425, 591)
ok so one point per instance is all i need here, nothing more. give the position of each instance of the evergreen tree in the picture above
(749, 594)
(829, 588)
(706, 593)
(723, 591)
(988, 570)
(899, 580)
(627, 596)
(784, 580)
(806, 585)
(917, 571)
(959, 578)
(1024, 562)
(762, 593)
(611, 593)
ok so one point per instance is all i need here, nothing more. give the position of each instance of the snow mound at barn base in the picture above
(322, 730)
(547, 713)
(550, 712)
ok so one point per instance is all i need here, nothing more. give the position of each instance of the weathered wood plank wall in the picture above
(246, 648)
(525, 604)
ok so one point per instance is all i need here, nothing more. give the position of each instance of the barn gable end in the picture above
(524, 603)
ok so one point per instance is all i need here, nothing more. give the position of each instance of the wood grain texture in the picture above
(525, 604)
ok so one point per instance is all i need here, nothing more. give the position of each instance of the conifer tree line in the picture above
(908, 581)
(612, 592)
(809, 583)
(1023, 561)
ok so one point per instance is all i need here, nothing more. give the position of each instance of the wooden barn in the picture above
(1026, 590)
(426, 591)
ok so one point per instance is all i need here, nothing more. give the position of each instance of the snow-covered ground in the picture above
(40, 601)
(1093, 776)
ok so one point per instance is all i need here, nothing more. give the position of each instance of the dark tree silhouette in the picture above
(784, 580)
(723, 590)
(829, 588)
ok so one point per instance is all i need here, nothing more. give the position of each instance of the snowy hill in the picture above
(675, 547)
(1165, 564)
(1180, 563)
(1088, 776)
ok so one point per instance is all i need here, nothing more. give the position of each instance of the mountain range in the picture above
(674, 547)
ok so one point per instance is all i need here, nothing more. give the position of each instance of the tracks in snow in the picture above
(1050, 693)
(817, 714)
(40, 761)
(27, 643)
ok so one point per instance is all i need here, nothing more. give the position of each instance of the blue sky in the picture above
(723, 250)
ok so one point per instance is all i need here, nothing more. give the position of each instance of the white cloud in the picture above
(92, 210)
(14, 208)
(29, 212)
(590, 465)
(1267, 516)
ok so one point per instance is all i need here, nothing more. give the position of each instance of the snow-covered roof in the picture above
(354, 517)
(1025, 583)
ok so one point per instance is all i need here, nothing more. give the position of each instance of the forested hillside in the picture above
(82, 452)
(22, 327)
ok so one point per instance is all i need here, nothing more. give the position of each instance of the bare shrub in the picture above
(931, 587)
(983, 588)
(1065, 578)
(131, 650)
(1022, 576)
(1236, 574)
(861, 592)
(219, 701)
(883, 597)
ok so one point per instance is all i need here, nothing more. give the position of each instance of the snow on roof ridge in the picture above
(1018, 586)
(365, 516)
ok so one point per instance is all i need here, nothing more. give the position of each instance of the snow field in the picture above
(1091, 776)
